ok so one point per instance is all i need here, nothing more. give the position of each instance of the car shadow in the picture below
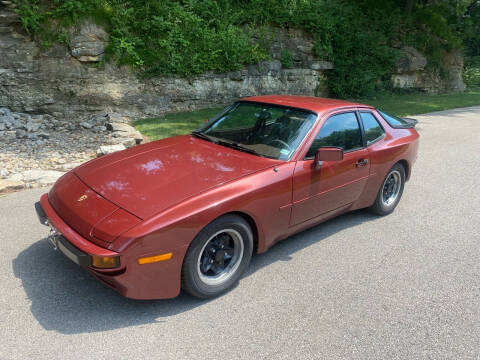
(67, 299)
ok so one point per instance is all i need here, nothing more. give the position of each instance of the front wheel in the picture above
(217, 257)
(390, 192)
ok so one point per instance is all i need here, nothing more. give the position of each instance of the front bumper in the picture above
(62, 244)
(42, 217)
(154, 281)
(47, 216)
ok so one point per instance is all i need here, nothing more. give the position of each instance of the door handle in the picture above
(361, 163)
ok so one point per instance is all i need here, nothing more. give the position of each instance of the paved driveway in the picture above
(357, 287)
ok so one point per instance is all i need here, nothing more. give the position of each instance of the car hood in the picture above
(148, 179)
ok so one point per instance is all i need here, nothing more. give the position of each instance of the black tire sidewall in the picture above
(191, 281)
(379, 207)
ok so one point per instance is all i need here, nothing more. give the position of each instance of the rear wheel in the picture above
(217, 257)
(390, 192)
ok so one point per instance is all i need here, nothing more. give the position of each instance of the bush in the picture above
(188, 37)
(363, 59)
(155, 36)
(287, 59)
(471, 74)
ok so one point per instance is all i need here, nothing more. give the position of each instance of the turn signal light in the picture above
(156, 258)
(105, 262)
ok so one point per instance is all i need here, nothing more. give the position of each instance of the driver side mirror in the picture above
(327, 154)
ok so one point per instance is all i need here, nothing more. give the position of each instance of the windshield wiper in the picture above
(232, 145)
(203, 136)
(241, 148)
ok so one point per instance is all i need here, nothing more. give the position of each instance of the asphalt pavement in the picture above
(404, 286)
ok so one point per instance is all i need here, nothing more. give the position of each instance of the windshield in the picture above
(263, 129)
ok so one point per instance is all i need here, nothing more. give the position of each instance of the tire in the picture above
(217, 257)
(390, 191)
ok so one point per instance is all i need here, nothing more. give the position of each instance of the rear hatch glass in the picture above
(397, 122)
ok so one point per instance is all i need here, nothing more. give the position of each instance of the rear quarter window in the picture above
(373, 130)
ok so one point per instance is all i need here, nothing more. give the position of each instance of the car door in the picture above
(319, 190)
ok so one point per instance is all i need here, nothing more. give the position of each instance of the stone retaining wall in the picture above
(411, 72)
(65, 82)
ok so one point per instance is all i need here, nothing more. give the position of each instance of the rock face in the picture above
(300, 45)
(410, 60)
(88, 41)
(453, 61)
(35, 80)
(410, 72)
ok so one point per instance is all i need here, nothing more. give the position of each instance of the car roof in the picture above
(311, 103)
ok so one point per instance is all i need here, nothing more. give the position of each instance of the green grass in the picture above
(175, 123)
(412, 104)
(399, 105)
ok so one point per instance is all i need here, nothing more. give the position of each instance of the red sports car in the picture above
(187, 212)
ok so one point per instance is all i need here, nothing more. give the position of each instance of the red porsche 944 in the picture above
(189, 211)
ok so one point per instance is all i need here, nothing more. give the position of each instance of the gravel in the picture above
(45, 143)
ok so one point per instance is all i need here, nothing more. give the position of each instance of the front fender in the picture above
(264, 196)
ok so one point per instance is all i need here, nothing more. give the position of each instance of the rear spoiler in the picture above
(396, 122)
(409, 123)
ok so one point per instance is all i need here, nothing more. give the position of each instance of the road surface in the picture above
(405, 286)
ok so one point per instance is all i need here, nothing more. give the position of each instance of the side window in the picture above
(341, 130)
(373, 130)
